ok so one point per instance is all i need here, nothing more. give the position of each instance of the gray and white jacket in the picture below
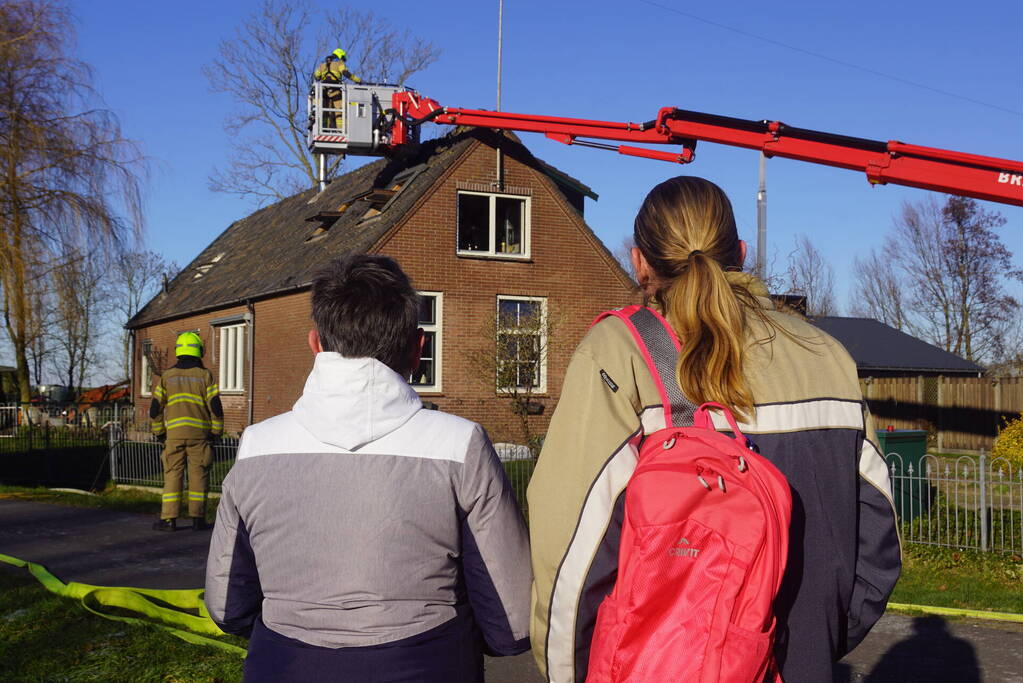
(359, 518)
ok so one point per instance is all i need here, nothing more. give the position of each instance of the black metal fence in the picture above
(56, 445)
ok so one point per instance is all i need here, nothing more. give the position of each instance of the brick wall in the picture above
(567, 267)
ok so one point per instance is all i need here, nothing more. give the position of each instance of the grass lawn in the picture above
(44, 637)
(943, 577)
(125, 500)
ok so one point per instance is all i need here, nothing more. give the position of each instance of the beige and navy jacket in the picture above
(810, 421)
(186, 403)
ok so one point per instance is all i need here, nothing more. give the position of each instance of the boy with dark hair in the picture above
(360, 537)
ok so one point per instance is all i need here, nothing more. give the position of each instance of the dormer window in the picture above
(493, 225)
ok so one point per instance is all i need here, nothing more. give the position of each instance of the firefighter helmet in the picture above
(340, 54)
(188, 344)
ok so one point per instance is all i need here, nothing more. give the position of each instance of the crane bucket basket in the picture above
(349, 118)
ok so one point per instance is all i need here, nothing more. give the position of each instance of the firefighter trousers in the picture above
(198, 454)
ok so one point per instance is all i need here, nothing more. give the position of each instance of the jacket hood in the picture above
(349, 402)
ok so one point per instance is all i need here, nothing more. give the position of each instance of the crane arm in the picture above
(970, 175)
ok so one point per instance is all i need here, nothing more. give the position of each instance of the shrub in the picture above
(1009, 443)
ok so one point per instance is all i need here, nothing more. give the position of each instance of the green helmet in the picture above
(188, 344)
(340, 54)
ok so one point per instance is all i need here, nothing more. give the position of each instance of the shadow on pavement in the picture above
(930, 654)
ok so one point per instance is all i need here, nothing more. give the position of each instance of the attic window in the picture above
(204, 268)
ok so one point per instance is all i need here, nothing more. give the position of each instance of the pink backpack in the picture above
(703, 546)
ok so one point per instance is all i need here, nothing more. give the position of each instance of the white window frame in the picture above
(232, 348)
(541, 387)
(492, 252)
(145, 383)
(438, 344)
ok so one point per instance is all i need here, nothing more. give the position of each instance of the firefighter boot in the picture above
(165, 525)
(200, 524)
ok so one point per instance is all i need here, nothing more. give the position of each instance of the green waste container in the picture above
(903, 451)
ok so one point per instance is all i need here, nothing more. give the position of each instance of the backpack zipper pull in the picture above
(742, 464)
(703, 481)
(721, 483)
(669, 443)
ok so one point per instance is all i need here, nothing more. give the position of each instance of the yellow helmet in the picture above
(340, 54)
(188, 344)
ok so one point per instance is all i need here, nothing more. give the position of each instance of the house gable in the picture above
(257, 274)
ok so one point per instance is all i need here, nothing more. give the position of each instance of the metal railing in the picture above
(959, 502)
(137, 463)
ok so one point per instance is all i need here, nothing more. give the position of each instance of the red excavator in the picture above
(376, 119)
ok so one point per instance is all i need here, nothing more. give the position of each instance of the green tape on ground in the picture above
(954, 612)
(169, 616)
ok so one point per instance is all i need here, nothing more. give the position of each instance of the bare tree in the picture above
(954, 267)
(289, 39)
(80, 293)
(135, 277)
(67, 175)
(511, 358)
(772, 279)
(39, 314)
(878, 290)
(623, 254)
(813, 277)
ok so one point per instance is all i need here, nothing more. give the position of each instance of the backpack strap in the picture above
(659, 346)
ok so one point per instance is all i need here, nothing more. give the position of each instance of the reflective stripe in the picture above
(212, 391)
(186, 398)
(159, 392)
(192, 495)
(874, 469)
(188, 422)
(172, 496)
(824, 413)
(157, 428)
(597, 510)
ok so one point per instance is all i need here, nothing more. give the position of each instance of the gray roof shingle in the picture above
(878, 347)
(270, 251)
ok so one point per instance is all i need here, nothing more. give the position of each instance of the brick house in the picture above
(472, 246)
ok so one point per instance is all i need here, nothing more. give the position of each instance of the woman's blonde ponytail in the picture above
(686, 231)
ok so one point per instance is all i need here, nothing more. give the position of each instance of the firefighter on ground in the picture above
(332, 70)
(187, 416)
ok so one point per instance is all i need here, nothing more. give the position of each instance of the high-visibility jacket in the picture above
(333, 72)
(186, 404)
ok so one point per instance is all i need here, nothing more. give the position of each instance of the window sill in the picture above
(494, 257)
(427, 391)
(233, 392)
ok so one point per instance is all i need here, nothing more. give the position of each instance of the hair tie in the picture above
(693, 253)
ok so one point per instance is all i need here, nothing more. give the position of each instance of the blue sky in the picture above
(620, 60)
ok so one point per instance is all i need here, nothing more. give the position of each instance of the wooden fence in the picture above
(961, 414)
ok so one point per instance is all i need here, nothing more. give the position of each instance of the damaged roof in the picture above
(279, 247)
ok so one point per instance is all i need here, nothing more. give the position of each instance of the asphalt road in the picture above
(119, 549)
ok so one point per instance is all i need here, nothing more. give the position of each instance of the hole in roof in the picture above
(326, 220)
(204, 268)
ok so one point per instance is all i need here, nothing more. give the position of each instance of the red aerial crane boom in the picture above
(371, 119)
(970, 175)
